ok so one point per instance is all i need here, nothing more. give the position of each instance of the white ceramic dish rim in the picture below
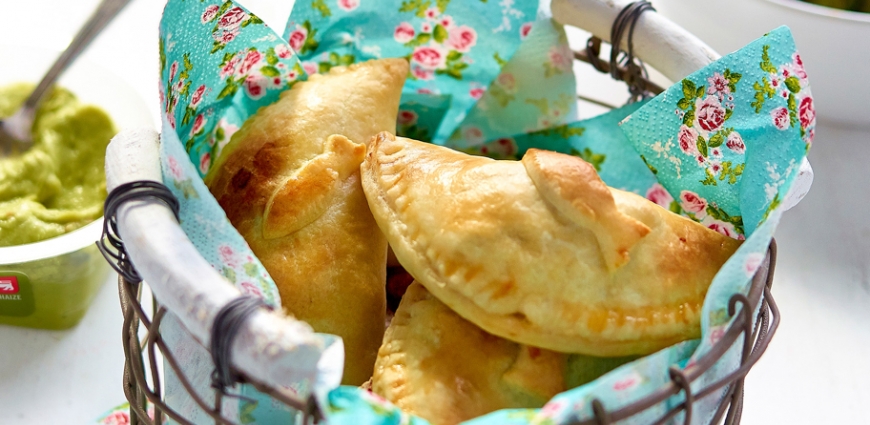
(824, 11)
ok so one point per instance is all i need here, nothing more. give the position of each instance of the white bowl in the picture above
(62, 274)
(834, 44)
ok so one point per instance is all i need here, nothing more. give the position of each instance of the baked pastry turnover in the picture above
(291, 186)
(440, 367)
(541, 251)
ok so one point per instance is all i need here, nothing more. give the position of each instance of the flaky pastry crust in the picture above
(541, 251)
(291, 186)
(442, 368)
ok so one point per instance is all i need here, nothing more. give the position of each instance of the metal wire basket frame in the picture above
(756, 337)
(756, 334)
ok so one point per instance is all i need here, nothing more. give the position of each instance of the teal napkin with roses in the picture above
(479, 70)
(494, 83)
(750, 120)
(220, 63)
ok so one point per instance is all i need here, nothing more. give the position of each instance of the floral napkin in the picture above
(489, 77)
(455, 48)
(219, 63)
(750, 119)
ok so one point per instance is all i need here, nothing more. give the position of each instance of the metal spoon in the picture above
(15, 131)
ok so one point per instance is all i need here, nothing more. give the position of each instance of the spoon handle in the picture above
(107, 10)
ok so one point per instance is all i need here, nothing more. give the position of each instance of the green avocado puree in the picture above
(59, 184)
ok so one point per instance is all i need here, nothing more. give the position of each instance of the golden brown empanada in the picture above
(437, 365)
(541, 251)
(292, 189)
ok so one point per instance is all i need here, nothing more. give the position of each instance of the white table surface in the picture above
(815, 371)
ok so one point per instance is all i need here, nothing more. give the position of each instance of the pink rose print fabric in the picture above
(348, 5)
(692, 203)
(120, 415)
(461, 38)
(702, 150)
(659, 196)
(404, 33)
(117, 418)
(454, 48)
(215, 64)
(530, 94)
(780, 118)
(218, 65)
(709, 114)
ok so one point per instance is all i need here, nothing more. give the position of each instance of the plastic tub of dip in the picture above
(49, 282)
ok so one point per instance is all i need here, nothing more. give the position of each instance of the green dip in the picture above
(59, 184)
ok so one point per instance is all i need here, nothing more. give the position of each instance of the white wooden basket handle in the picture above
(271, 349)
(662, 44)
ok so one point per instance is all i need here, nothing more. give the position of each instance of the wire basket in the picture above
(756, 336)
(144, 346)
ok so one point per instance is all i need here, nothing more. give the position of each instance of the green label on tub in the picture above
(16, 294)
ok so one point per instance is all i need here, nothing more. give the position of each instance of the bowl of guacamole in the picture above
(59, 184)
(51, 190)
(52, 195)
